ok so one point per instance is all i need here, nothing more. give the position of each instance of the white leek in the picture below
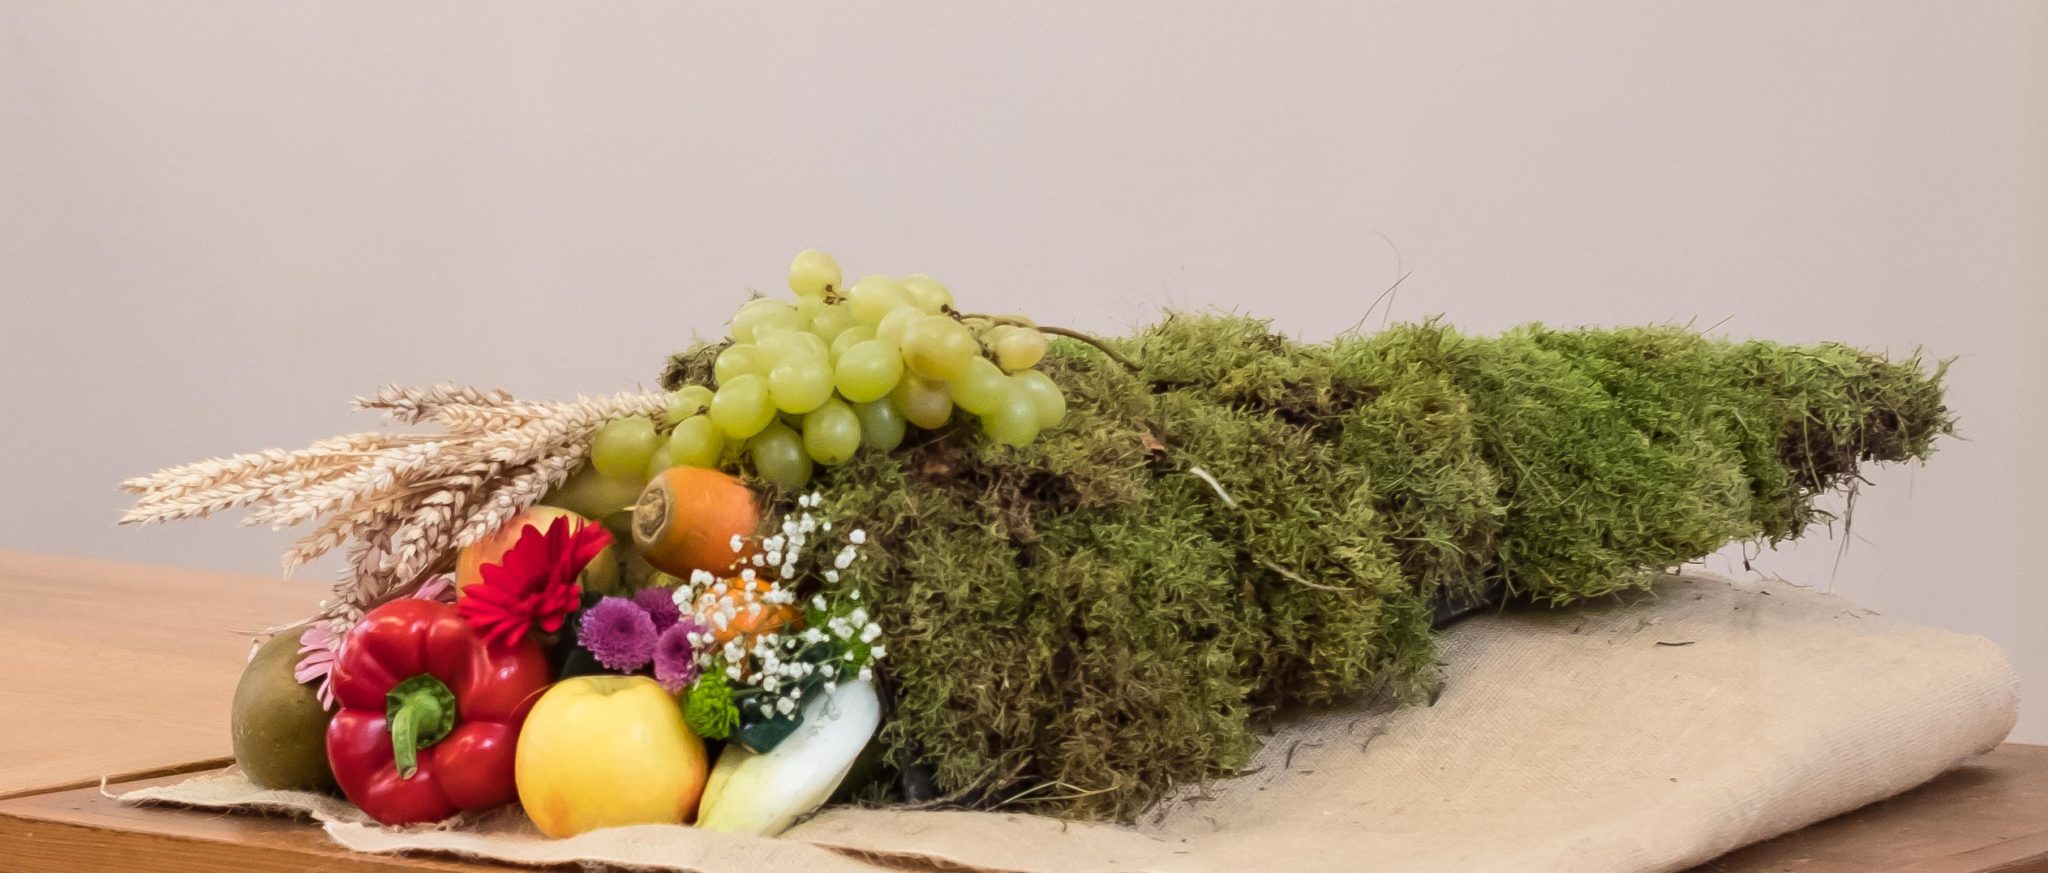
(763, 794)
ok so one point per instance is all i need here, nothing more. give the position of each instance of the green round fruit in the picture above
(594, 495)
(279, 726)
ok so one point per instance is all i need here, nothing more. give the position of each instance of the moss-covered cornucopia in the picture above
(1061, 575)
(1248, 522)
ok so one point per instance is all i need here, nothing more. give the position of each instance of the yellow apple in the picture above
(607, 751)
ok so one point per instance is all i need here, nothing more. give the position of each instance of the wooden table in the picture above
(72, 718)
(118, 670)
(1990, 814)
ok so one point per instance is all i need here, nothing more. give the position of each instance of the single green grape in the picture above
(779, 456)
(761, 314)
(1019, 348)
(621, 448)
(881, 424)
(800, 383)
(1014, 420)
(813, 274)
(744, 318)
(741, 408)
(739, 359)
(830, 321)
(1045, 394)
(790, 322)
(782, 345)
(927, 294)
(898, 321)
(832, 433)
(980, 388)
(685, 402)
(923, 402)
(849, 338)
(869, 371)
(990, 334)
(937, 347)
(659, 461)
(696, 442)
(872, 297)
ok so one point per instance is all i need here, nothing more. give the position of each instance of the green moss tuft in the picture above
(1252, 523)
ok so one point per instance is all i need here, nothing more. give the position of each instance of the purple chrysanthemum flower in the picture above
(675, 657)
(660, 604)
(619, 633)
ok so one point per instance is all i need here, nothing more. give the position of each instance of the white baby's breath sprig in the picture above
(780, 662)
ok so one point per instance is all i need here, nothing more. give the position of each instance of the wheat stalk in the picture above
(231, 494)
(518, 492)
(173, 483)
(414, 405)
(488, 419)
(339, 493)
(401, 503)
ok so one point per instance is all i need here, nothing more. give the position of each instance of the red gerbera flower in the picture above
(534, 583)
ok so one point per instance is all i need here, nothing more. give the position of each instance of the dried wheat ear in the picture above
(402, 502)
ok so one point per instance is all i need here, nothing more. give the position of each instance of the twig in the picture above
(955, 798)
(1199, 473)
(1069, 333)
(1296, 577)
(1127, 363)
(1231, 502)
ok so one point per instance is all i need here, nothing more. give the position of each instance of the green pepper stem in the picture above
(420, 711)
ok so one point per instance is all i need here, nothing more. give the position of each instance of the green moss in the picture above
(1413, 429)
(1252, 523)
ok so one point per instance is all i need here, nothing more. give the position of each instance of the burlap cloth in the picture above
(1650, 734)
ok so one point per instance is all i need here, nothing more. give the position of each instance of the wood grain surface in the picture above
(110, 669)
(84, 830)
(1990, 814)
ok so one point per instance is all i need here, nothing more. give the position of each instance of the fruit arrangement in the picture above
(872, 547)
(579, 653)
(525, 676)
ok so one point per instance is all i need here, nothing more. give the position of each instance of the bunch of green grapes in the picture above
(812, 380)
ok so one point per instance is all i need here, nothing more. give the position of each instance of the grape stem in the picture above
(1099, 345)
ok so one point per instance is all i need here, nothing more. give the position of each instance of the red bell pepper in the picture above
(429, 715)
